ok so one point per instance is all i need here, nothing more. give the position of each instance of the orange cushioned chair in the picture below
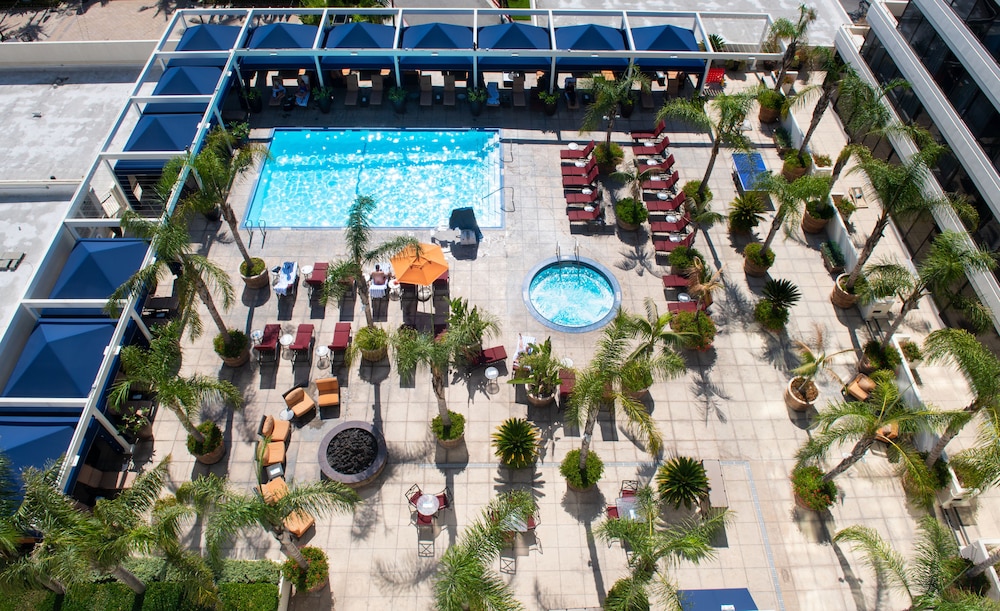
(329, 392)
(299, 402)
(277, 430)
(271, 453)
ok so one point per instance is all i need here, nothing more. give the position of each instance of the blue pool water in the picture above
(416, 177)
(572, 296)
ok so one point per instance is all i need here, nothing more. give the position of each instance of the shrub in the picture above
(477, 94)
(570, 469)
(690, 190)
(846, 207)
(249, 596)
(793, 161)
(631, 211)
(548, 98)
(314, 575)
(455, 431)
(371, 338)
(746, 212)
(249, 571)
(782, 138)
(779, 296)
(162, 596)
(256, 269)
(148, 569)
(769, 317)
(238, 342)
(887, 359)
(619, 596)
(811, 490)
(769, 98)
(608, 158)
(29, 600)
(105, 596)
(683, 257)
(397, 94)
(682, 480)
(516, 441)
(756, 254)
(911, 351)
(822, 161)
(213, 439)
(831, 251)
(820, 209)
(698, 326)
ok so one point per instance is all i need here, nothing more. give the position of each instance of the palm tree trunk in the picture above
(126, 577)
(52, 585)
(611, 127)
(288, 546)
(189, 426)
(908, 304)
(949, 433)
(859, 451)
(821, 105)
(868, 249)
(775, 224)
(234, 228)
(366, 300)
(981, 567)
(708, 170)
(588, 434)
(838, 166)
(437, 382)
(786, 61)
(206, 298)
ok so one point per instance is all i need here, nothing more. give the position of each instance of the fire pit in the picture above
(353, 453)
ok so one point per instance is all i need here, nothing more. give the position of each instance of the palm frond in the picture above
(886, 562)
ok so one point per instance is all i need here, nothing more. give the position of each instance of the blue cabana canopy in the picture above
(207, 37)
(185, 80)
(590, 37)
(666, 38)
(513, 35)
(713, 600)
(96, 267)
(359, 35)
(30, 440)
(437, 36)
(166, 132)
(281, 36)
(61, 358)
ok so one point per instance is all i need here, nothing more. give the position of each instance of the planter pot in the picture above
(214, 215)
(550, 109)
(768, 115)
(145, 433)
(841, 298)
(811, 224)
(319, 586)
(325, 105)
(865, 365)
(399, 107)
(754, 270)
(375, 355)
(832, 267)
(578, 489)
(791, 174)
(627, 226)
(536, 401)
(237, 361)
(256, 105)
(793, 401)
(212, 457)
(802, 504)
(476, 108)
(627, 109)
(451, 444)
(259, 281)
(639, 395)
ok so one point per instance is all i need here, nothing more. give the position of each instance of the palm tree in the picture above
(228, 511)
(219, 164)
(705, 283)
(930, 577)
(655, 337)
(863, 112)
(682, 480)
(814, 360)
(412, 349)
(950, 257)
(468, 327)
(654, 543)
(156, 368)
(791, 199)
(981, 369)
(900, 189)
(794, 34)
(464, 579)
(634, 178)
(723, 118)
(862, 422)
(609, 96)
(350, 271)
(835, 70)
(701, 216)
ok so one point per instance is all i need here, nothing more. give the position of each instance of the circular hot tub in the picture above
(353, 453)
(573, 296)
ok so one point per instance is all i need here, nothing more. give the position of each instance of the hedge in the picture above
(159, 597)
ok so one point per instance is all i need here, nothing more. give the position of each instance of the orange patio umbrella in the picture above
(423, 267)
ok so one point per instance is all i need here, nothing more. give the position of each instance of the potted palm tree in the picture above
(746, 212)
(253, 100)
(682, 480)
(397, 96)
(324, 98)
(538, 370)
(236, 351)
(630, 214)
(468, 327)
(801, 391)
(818, 213)
(779, 297)
(372, 343)
(516, 443)
(697, 329)
(771, 104)
(608, 97)
(477, 97)
(550, 101)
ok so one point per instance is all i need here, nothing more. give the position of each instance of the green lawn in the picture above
(520, 4)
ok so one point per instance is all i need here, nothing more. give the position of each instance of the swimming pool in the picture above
(571, 295)
(416, 177)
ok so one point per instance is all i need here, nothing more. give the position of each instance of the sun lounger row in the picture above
(577, 153)
(302, 342)
(670, 226)
(657, 204)
(662, 185)
(667, 245)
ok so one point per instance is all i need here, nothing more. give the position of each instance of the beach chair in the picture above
(578, 153)
(440, 286)
(651, 151)
(517, 97)
(492, 94)
(584, 216)
(426, 91)
(489, 356)
(286, 278)
(662, 185)
(682, 306)
(341, 337)
(271, 452)
(669, 226)
(351, 97)
(299, 402)
(301, 347)
(572, 169)
(668, 245)
(581, 181)
(524, 343)
(378, 88)
(653, 135)
(277, 430)
(655, 204)
(449, 90)
(328, 390)
(583, 197)
(267, 349)
(317, 277)
(646, 98)
(675, 281)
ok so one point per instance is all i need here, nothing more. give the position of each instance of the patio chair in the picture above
(271, 452)
(567, 381)
(581, 181)
(423, 521)
(441, 285)
(329, 392)
(669, 226)
(666, 246)
(317, 277)
(286, 278)
(449, 90)
(651, 151)
(426, 91)
(662, 185)
(299, 522)
(584, 216)
(299, 402)
(508, 561)
(578, 153)
(629, 487)
(582, 197)
(655, 204)
(267, 349)
(489, 356)
(675, 281)
(492, 94)
(341, 337)
(682, 306)
(612, 514)
(273, 490)
(277, 430)
(378, 88)
(444, 498)
(301, 347)
(425, 548)
(351, 97)
(653, 135)
(518, 98)
(571, 169)
(413, 494)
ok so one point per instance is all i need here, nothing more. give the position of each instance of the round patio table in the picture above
(428, 505)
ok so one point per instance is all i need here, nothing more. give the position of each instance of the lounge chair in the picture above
(449, 90)
(682, 306)
(104, 480)
(301, 347)
(584, 216)
(669, 226)
(651, 151)
(662, 185)
(668, 245)
(675, 281)
(583, 198)
(273, 490)
(426, 91)
(492, 94)
(329, 392)
(286, 278)
(578, 153)
(655, 204)
(441, 285)
(653, 135)
(297, 522)
(317, 276)
(277, 430)
(646, 98)
(267, 349)
(489, 356)
(278, 91)
(567, 381)
(351, 97)
(304, 91)
(581, 181)
(271, 452)
(299, 402)
(524, 343)
(341, 337)
(378, 88)
(517, 97)
(572, 169)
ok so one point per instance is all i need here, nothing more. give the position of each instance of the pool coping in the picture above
(612, 280)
